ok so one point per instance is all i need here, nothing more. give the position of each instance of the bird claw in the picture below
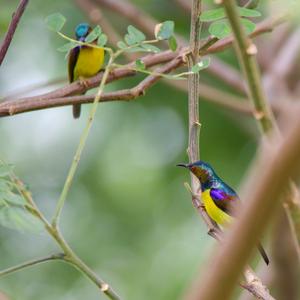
(83, 82)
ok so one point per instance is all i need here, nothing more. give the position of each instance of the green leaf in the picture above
(172, 43)
(164, 31)
(130, 39)
(136, 34)
(55, 22)
(12, 198)
(212, 15)
(246, 12)
(150, 48)
(137, 49)
(67, 47)
(121, 45)
(201, 65)
(219, 13)
(220, 29)
(5, 170)
(94, 34)
(140, 64)
(19, 219)
(102, 40)
(248, 25)
(5, 186)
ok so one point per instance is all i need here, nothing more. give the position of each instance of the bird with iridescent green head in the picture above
(84, 61)
(219, 199)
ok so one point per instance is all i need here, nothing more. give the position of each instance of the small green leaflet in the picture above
(172, 43)
(136, 49)
(248, 25)
(121, 45)
(150, 48)
(13, 199)
(220, 29)
(212, 15)
(4, 185)
(136, 34)
(102, 40)
(246, 12)
(219, 13)
(130, 40)
(13, 212)
(55, 22)
(94, 34)
(164, 31)
(18, 218)
(67, 47)
(5, 170)
(201, 65)
(140, 64)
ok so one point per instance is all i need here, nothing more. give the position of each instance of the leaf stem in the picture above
(58, 256)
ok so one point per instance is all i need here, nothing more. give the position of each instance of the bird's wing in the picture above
(73, 56)
(224, 200)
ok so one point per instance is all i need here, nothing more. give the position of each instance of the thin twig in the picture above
(81, 145)
(59, 256)
(193, 106)
(12, 28)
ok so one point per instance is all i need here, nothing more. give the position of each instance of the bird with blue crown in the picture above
(84, 61)
(219, 199)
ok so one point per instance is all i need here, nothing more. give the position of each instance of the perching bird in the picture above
(219, 199)
(84, 61)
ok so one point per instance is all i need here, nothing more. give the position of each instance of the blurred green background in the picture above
(128, 214)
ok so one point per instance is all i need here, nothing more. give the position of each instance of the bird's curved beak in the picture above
(182, 165)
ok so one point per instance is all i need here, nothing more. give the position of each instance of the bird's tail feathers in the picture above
(263, 253)
(76, 110)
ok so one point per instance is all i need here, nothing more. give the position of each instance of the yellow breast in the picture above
(89, 62)
(218, 215)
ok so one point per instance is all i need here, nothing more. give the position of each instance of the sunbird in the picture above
(84, 61)
(219, 199)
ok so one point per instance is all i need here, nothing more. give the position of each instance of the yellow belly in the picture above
(89, 62)
(218, 215)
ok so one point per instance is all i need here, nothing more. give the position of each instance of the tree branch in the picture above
(12, 28)
(61, 96)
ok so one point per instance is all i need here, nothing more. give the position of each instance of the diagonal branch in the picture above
(12, 28)
(246, 50)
